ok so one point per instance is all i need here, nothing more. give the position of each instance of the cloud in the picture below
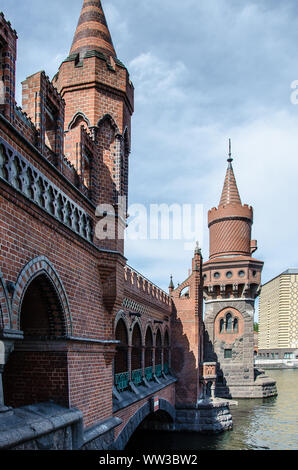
(156, 80)
(203, 72)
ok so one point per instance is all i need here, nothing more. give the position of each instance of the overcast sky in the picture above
(203, 71)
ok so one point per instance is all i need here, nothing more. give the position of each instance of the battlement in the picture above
(230, 211)
(138, 284)
(7, 24)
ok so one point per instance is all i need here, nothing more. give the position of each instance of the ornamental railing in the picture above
(158, 370)
(137, 376)
(122, 381)
(149, 374)
(19, 173)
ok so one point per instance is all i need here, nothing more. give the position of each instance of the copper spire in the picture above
(230, 193)
(92, 32)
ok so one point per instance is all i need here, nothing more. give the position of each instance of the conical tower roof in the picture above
(230, 193)
(92, 32)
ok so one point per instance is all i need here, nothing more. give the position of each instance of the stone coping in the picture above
(30, 422)
(99, 429)
(127, 398)
(204, 404)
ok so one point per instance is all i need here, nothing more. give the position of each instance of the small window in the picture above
(241, 273)
(216, 275)
(235, 325)
(222, 326)
(228, 354)
(229, 274)
(229, 323)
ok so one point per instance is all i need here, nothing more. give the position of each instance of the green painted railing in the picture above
(121, 381)
(166, 368)
(158, 370)
(137, 377)
(149, 373)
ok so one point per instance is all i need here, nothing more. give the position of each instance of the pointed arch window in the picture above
(229, 323)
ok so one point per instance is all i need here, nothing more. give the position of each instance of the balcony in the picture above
(132, 387)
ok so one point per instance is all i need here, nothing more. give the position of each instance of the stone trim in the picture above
(101, 435)
(35, 426)
(5, 306)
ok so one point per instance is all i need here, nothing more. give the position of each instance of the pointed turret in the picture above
(92, 33)
(171, 286)
(230, 193)
(230, 223)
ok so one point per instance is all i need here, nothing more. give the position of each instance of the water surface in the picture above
(270, 423)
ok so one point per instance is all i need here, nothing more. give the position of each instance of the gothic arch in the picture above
(76, 116)
(121, 315)
(149, 326)
(40, 266)
(158, 330)
(138, 418)
(166, 331)
(136, 321)
(5, 306)
(108, 117)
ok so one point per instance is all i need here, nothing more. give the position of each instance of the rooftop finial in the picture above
(197, 249)
(171, 286)
(230, 159)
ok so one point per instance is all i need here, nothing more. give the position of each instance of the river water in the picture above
(271, 423)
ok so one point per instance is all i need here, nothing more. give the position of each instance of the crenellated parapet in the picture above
(135, 283)
(8, 53)
(45, 107)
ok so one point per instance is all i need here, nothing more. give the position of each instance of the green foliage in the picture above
(256, 327)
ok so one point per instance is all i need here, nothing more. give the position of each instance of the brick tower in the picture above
(232, 279)
(99, 102)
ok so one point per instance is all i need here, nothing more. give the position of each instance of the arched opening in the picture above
(158, 354)
(166, 353)
(222, 326)
(235, 325)
(148, 431)
(229, 323)
(149, 355)
(121, 357)
(37, 369)
(136, 356)
(185, 293)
